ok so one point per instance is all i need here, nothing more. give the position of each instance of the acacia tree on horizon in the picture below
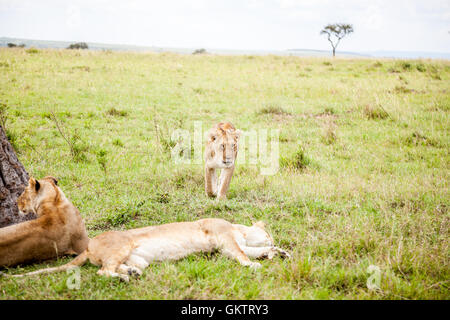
(338, 31)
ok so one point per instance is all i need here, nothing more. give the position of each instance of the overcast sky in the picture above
(400, 25)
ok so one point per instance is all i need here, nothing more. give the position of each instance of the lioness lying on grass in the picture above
(124, 253)
(57, 230)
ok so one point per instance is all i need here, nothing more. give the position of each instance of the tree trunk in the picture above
(13, 180)
(334, 52)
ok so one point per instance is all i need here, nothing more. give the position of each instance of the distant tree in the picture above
(13, 45)
(78, 45)
(336, 31)
(199, 51)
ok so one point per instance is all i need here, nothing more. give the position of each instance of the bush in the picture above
(32, 50)
(116, 113)
(13, 45)
(102, 160)
(273, 109)
(199, 51)
(298, 160)
(402, 89)
(78, 45)
(375, 112)
(329, 134)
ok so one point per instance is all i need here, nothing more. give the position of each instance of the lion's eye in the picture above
(222, 147)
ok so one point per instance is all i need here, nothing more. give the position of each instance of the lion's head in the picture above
(257, 236)
(36, 192)
(222, 145)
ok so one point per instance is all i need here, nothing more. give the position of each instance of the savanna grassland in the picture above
(363, 179)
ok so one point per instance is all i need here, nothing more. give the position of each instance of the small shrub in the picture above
(375, 112)
(79, 149)
(405, 65)
(393, 70)
(102, 159)
(162, 197)
(273, 109)
(402, 78)
(199, 90)
(32, 51)
(116, 113)
(46, 115)
(82, 68)
(419, 139)
(91, 114)
(298, 160)
(329, 134)
(122, 215)
(377, 64)
(436, 76)
(402, 89)
(327, 63)
(329, 111)
(117, 142)
(73, 140)
(421, 67)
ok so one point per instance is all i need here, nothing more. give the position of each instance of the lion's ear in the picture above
(260, 224)
(55, 181)
(237, 134)
(31, 182)
(212, 137)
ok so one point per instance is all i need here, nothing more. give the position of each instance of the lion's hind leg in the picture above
(112, 266)
(231, 249)
(110, 251)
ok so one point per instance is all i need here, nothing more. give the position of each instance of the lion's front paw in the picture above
(123, 277)
(283, 253)
(134, 272)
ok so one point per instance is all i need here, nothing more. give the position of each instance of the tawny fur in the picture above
(124, 253)
(220, 153)
(57, 230)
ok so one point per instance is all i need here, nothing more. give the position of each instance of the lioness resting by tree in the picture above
(220, 153)
(57, 230)
(124, 253)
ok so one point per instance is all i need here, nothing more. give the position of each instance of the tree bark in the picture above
(13, 180)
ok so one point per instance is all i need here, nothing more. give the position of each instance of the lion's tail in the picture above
(78, 261)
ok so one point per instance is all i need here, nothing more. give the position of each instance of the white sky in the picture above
(400, 25)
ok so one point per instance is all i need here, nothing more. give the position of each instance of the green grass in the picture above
(363, 180)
